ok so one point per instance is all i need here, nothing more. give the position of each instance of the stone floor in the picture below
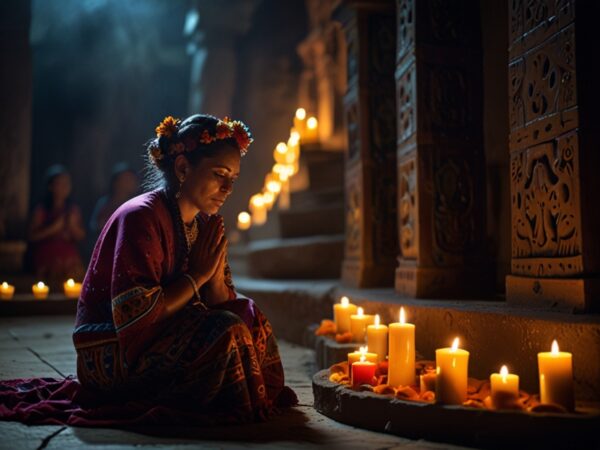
(41, 346)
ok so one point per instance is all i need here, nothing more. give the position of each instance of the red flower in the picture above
(241, 135)
(223, 130)
(206, 138)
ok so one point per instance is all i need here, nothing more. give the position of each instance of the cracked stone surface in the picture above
(41, 346)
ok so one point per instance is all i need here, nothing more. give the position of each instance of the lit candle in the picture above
(258, 209)
(358, 325)
(72, 289)
(311, 134)
(504, 384)
(401, 369)
(40, 290)
(556, 377)
(300, 120)
(341, 314)
(363, 372)
(244, 221)
(268, 199)
(272, 183)
(362, 351)
(377, 339)
(452, 365)
(6, 291)
(280, 154)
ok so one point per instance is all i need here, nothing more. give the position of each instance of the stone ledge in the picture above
(494, 332)
(27, 305)
(455, 424)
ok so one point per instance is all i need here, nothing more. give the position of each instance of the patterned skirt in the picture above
(211, 361)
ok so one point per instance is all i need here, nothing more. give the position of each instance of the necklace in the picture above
(191, 233)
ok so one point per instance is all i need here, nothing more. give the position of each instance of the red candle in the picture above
(363, 372)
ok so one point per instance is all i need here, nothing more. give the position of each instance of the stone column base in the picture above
(435, 282)
(574, 294)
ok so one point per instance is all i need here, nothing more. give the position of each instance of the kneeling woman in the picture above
(158, 315)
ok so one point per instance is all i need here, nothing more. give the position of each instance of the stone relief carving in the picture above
(544, 200)
(454, 223)
(407, 209)
(406, 27)
(405, 103)
(542, 83)
(353, 126)
(353, 217)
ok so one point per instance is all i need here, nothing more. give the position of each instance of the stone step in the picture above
(325, 168)
(310, 221)
(314, 257)
(315, 198)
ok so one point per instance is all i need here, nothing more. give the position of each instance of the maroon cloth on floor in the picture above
(51, 401)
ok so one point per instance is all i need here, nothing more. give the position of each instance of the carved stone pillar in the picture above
(441, 189)
(371, 238)
(554, 154)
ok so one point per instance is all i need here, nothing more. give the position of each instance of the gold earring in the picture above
(178, 194)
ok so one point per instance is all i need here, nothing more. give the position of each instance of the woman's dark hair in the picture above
(160, 172)
(50, 175)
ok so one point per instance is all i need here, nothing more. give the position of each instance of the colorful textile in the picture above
(214, 365)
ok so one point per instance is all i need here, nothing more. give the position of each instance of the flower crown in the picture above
(224, 129)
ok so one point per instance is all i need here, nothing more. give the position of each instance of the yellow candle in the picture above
(452, 366)
(258, 209)
(311, 134)
(356, 355)
(280, 154)
(377, 339)
(40, 291)
(556, 377)
(358, 325)
(244, 220)
(300, 120)
(401, 355)
(505, 384)
(6, 291)
(72, 289)
(341, 314)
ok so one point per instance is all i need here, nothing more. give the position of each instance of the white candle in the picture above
(244, 221)
(258, 209)
(452, 366)
(377, 339)
(40, 290)
(6, 291)
(401, 354)
(300, 120)
(311, 134)
(504, 384)
(556, 377)
(341, 314)
(358, 325)
(71, 288)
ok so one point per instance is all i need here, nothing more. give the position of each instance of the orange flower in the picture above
(206, 138)
(241, 135)
(167, 127)
(155, 153)
(223, 130)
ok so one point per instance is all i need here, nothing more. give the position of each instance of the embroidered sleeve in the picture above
(137, 296)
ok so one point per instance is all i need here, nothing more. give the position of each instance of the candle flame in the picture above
(5, 285)
(281, 148)
(301, 114)
(312, 123)
(257, 200)
(554, 347)
(402, 317)
(70, 282)
(377, 319)
(361, 311)
(504, 373)
(294, 137)
(455, 344)
(363, 350)
(345, 301)
(41, 285)
(363, 358)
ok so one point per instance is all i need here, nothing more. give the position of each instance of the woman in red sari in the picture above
(158, 317)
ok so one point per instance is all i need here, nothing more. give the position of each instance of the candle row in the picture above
(450, 378)
(40, 290)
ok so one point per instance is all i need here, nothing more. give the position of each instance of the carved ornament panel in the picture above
(406, 104)
(406, 27)
(408, 225)
(545, 203)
